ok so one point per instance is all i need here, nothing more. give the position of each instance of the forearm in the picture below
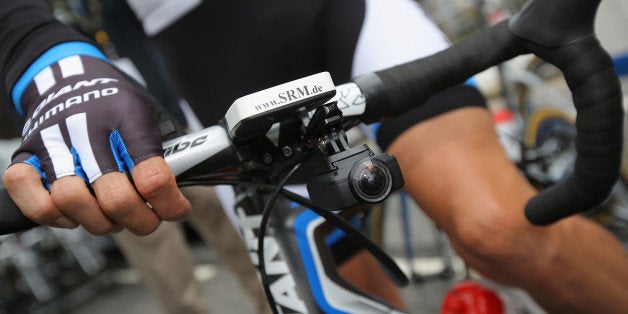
(27, 29)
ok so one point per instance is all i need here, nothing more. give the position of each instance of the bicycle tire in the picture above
(536, 119)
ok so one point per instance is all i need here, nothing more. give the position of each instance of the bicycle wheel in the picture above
(542, 122)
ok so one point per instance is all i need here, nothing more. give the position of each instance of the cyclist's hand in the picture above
(86, 129)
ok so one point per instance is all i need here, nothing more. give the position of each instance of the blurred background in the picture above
(48, 270)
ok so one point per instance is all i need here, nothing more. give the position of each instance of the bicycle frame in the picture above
(297, 251)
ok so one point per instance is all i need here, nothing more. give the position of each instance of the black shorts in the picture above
(445, 101)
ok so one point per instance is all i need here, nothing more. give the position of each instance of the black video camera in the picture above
(354, 176)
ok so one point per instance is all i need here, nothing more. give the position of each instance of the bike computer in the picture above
(254, 114)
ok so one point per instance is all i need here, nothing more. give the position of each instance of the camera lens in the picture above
(371, 180)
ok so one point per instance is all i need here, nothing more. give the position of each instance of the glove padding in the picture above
(84, 118)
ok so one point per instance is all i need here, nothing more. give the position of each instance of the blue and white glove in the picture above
(76, 109)
(85, 119)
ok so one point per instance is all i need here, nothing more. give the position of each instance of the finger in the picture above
(119, 200)
(24, 185)
(74, 199)
(156, 183)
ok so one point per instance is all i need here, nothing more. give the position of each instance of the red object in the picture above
(470, 297)
(503, 115)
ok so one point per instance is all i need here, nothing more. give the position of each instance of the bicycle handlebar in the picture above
(559, 31)
(12, 220)
(597, 96)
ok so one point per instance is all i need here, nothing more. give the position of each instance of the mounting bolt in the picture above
(267, 158)
(323, 145)
(287, 151)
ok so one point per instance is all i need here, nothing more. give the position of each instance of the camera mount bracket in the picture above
(325, 127)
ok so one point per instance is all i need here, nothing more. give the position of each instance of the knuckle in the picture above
(14, 177)
(116, 201)
(44, 214)
(66, 195)
(153, 181)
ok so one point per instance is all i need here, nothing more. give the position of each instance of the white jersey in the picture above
(156, 15)
(395, 32)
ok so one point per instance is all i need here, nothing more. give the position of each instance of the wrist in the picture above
(49, 57)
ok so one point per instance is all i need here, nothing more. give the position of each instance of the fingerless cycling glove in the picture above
(83, 117)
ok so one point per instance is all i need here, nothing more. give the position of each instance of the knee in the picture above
(491, 231)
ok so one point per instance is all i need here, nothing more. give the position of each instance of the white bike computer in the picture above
(254, 114)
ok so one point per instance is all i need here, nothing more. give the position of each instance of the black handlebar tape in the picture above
(570, 44)
(398, 89)
(596, 92)
(11, 218)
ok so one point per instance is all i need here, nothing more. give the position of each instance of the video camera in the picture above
(354, 176)
(345, 176)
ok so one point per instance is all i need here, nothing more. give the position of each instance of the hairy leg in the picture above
(456, 170)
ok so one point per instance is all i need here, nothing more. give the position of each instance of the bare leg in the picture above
(363, 270)
(456, 170)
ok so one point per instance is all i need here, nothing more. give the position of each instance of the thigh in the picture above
(455, 167)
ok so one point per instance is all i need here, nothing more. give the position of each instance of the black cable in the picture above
(262, 235)
(216, 175)
(233, 182)
(338, 221)
(398, 276)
